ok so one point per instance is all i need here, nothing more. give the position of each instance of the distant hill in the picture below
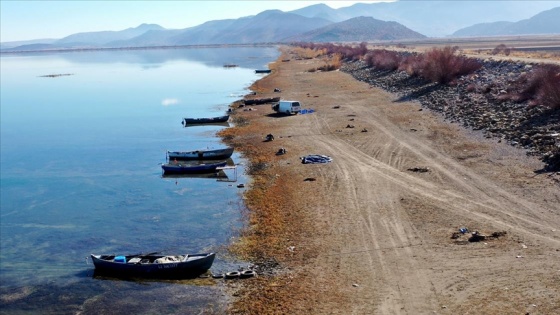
(266, 27)
(6, 45)
(358, 29)
(547, 22)
(323, 11)
(434, 18)
(103, 37)
(319, 22)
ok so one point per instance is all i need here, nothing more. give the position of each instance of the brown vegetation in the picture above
(539, 87)
(441, 65)
(383, 59)
(501, 49)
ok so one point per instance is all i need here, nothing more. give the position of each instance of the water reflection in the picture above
(81, 173)
(242, 56)
(220, 176)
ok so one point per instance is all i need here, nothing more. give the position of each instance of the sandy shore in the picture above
(366, 233)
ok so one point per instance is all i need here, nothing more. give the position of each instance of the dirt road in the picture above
(401, 184)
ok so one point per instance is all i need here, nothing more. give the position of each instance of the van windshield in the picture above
(295, 104)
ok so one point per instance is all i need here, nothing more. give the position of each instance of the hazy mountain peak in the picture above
(546, 22)
(148, 26)
(358, 29)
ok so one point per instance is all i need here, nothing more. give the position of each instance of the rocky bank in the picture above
(477, 101)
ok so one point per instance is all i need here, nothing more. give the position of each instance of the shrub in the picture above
(502, 48)
(383, 59)
(443, 65)
(346, 52)
(331, 64)
(411, 64)
(540, 87)
(544, 84)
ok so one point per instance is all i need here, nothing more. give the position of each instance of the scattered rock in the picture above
(419, 169)
(498, 234)
(269, 137)
(477, 237)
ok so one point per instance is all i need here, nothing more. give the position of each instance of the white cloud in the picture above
(169, 102)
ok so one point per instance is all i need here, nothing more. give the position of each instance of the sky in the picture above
(38, 19)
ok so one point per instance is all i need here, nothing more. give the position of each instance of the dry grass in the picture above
(271, 215)
(307, 53)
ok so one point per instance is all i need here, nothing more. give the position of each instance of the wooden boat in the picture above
(219, 124)
(217, 154)
(153, 265)
(210, 120)
(263, 71)
(177, 167)
(259, 101)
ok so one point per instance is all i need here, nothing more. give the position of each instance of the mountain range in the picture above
(546, 22)
(400, 20)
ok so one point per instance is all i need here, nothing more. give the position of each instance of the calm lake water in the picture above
(81, 174)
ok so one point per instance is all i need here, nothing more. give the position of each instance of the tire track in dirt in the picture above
(480, 196)
(385, 238)
(383, 223)
(486, 209)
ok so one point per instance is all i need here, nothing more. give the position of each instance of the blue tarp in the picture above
(315, 159)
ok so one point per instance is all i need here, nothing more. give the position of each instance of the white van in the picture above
(287, 107)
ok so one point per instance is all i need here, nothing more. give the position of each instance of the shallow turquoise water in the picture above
(80, 172)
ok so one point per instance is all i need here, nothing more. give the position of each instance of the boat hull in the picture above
(182, 168)
(210, 120)
(220, 154)
(193, 265)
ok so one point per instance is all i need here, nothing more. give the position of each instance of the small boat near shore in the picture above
(209, 120)
(263, 71)
(214, 154)
(153, 265)
(259, 101)
(177, 167)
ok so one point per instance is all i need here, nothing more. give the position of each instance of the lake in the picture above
(83, 136)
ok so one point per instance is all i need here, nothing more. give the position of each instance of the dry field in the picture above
(366, 234)
(543, 48)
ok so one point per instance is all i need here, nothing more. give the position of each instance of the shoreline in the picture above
(349, 236)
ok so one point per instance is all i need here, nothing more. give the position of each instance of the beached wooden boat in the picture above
(153, 265)
(215, 154)
(259, 101)
(210, 120)
(176, 167)
(263, 71)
